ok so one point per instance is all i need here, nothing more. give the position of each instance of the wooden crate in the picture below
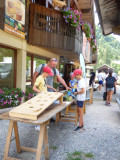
(35, 106)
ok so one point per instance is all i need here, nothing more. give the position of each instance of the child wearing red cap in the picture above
(40, 84)
(41, 81)
(80, 97)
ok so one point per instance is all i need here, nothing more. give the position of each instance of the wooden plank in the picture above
(68, 116)
(11, 158)
(45, 116)
(17, 137)
(28, 149)
(7, 145)
(40, 141)
(46, 148)
(66, 120)
(35, 106)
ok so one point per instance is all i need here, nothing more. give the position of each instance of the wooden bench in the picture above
(43, 121)
(66, 117)
(88, 100)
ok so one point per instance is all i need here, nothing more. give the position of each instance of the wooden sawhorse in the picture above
(43, 137)
(43, 121)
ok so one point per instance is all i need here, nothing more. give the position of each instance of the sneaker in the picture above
(78, 128)
(52, 120)
(106, 103)
(37, 128)
(109, 105)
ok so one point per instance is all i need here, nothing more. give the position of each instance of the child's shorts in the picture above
(100, 82)
(80, 104)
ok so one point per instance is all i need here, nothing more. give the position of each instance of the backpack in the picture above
(110, 82)
(43, 65)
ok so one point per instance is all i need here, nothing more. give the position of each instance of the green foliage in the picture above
(55, 85)
(73, 17)
(10, 97)
(29, 93)
(79, 155)
(89, 155)
(54, 147)
(108, 50)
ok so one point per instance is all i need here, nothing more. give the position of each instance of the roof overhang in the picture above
(109, 15)
(87, 9)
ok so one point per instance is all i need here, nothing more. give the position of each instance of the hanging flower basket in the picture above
(73, 17)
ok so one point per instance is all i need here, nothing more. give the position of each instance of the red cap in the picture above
(77, 72)
(48, 70)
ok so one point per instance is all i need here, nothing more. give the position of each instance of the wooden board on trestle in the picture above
(32, 108)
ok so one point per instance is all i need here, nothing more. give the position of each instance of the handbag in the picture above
(104, 96)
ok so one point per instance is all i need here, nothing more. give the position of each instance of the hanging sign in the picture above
(15, 17)
(82, 63)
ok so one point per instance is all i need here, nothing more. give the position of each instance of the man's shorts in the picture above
(80, 104)
(110, 89)
(101, 82)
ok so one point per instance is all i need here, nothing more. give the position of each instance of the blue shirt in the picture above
(72, 83)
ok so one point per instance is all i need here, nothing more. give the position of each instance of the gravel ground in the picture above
(101, 137)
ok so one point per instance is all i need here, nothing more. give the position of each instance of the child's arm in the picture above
(82, 91)
(51, 88)
(70, 85)
(35, 89)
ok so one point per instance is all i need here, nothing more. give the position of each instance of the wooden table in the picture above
(88, 100)
(43, 121)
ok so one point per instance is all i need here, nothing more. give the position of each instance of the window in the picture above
(7, 67)
(32, 63)
(28, 68)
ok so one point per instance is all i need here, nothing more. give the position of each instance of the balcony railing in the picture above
(48, 30)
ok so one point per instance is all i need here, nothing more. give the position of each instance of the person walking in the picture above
(110, 82)
(100, 79)
(80, 97)
(52, 64)
(92, 78)
(116, 77)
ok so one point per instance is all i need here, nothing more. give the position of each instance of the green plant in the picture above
(93, 45)
(89, 155)
(73, 17)
(87, 29)
(54, 147)
(10, 97)
(29, 93)
(55, 85)
(79, 155)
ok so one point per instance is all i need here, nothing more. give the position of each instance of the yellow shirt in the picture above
(40, 82)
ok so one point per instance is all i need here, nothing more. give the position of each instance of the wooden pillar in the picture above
(21, 69)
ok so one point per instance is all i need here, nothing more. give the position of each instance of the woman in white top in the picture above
(100, 79)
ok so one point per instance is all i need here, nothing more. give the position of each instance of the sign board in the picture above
(82, 63)
(86, 49)
(15, 17)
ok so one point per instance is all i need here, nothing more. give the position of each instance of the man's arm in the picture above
(51, 88)
(63, 82)
(35, 76)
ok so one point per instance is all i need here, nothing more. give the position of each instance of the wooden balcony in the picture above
(48, 29)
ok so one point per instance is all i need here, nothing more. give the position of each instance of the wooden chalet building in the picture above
(32, 32)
